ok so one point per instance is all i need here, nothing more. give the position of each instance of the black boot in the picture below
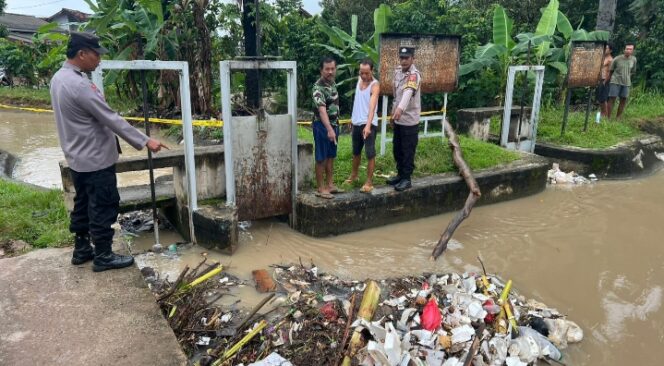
(403, 185)
(105, 258)
(83, 251)
(393, 180)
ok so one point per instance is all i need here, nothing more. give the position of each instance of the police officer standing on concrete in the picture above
(87, 129)
(405, 118)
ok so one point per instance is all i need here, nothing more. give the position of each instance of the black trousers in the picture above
(404, 146)
(96, 205)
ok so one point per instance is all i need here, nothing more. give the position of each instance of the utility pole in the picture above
(250, 25)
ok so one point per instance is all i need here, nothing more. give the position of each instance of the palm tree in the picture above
(606, 15)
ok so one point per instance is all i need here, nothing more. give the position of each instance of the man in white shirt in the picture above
(365, 123)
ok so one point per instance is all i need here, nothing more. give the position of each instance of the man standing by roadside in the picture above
(603, 87)
(621, 69)
(326, 127)
(405, 118)
(365, 123)
(87, 129)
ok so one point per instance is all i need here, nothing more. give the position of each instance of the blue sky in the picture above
(45, 8)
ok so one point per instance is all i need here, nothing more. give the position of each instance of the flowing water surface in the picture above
(595, 252)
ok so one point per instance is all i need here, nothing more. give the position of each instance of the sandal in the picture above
(327, 196)
(366, 189)
(351, 181)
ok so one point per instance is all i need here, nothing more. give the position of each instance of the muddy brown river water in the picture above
(32, 137)
(595, 252)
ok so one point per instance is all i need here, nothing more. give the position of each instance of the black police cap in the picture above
(82, 40)
(406, 51)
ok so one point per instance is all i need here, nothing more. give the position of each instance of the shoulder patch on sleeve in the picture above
(411, 83)
(96, 91)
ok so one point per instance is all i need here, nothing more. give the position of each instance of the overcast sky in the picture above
(45, 8)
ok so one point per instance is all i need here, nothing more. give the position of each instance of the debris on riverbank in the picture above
(318, 319)
(11, 248)
(140, 221)
(557, 176)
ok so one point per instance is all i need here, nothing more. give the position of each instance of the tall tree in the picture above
(202, 63)
(606, 15)
(251, 48)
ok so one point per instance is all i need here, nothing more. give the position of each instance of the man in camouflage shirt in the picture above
(326, 127)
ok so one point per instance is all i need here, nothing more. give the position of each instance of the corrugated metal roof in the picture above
(20, 22)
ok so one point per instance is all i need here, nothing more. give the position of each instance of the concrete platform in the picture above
(54, 313)
(433, 195)
(623, 161)
(138, 197)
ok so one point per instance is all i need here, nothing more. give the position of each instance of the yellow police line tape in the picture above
(196, 122)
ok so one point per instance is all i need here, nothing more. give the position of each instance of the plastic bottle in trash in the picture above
(598, 116)
(546, 347)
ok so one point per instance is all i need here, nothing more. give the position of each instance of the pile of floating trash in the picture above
(319, 319)
(557, 176)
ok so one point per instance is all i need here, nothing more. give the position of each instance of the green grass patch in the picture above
(38, 217)
(605, 134)
(41, 98)
(433, 157)
(642, 106)
(25, 97)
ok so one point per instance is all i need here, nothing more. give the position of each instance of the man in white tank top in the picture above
(365, 122)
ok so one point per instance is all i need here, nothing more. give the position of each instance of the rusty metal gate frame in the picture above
(182, 67)
(534, 116)
(225, 68)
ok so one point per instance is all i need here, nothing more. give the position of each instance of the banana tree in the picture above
(50, 46)
(499, 54)
(349, 50)
(504, 51)
(130, 30)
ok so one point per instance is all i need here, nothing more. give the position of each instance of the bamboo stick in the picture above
(233, 350)
(203, 278)
(367, 309)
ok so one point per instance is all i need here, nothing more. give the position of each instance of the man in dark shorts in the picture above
(326, 127)
(603, 87)
(365, 123)
(405, 118)
(621, 71)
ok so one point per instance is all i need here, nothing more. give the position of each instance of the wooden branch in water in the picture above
(473, 196)
(175, 286)
(475, 346)
(255, 310)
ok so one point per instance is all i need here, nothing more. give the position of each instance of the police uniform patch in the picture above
(412, 82)
(97, 91)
